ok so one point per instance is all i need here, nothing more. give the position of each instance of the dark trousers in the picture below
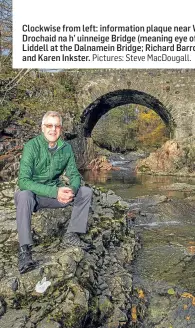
(27, 202)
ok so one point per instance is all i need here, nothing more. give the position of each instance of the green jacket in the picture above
(40, 169)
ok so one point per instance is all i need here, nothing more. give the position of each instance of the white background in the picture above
(123, 12)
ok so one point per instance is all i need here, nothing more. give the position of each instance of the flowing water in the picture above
(164, 268)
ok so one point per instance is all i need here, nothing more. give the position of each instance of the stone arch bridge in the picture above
(170, 93)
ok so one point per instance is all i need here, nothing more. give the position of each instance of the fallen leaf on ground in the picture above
(134, 313)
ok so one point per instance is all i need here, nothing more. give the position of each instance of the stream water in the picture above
(164, 268)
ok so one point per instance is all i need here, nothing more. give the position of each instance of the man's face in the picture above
(51, 129)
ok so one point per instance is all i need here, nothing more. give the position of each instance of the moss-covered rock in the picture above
(86, 287)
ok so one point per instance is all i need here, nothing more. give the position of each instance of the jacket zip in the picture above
(51, 160)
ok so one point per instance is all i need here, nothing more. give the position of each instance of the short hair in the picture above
(53, 114)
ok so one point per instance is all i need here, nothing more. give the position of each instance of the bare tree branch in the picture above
(17, 79)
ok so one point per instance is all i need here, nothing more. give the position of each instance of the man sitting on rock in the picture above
(44, 160)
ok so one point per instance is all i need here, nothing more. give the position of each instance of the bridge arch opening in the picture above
(117, 98)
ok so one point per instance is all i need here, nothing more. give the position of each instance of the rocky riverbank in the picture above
(164, 269)
(88, 289)
(174, 158)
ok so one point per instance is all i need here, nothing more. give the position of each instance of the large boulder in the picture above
(90, 288)
(172, 158)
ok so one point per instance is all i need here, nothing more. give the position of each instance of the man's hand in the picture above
(65, 195)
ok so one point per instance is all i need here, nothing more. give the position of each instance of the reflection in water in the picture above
(129, 185)
(95, 177)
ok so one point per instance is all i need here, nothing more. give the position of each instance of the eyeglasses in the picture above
(50, 126)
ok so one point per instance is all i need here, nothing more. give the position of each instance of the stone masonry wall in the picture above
(173, 88)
